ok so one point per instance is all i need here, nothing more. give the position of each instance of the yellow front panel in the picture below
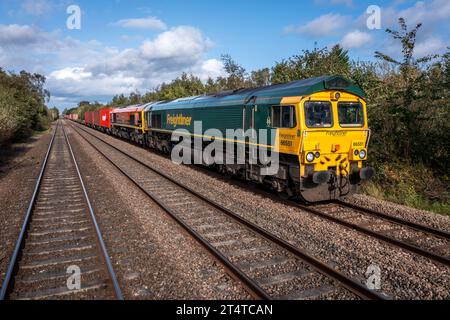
(336, 145)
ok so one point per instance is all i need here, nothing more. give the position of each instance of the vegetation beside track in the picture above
(22, 106)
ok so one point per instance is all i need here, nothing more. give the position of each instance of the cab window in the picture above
(283, 117)
(318, 114)
(351, 114)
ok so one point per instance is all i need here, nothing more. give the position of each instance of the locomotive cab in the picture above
(333, 145)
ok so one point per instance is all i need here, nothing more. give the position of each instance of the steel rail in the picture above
(398, 243)
(19, 243)
(400, 221)
(350, 284)
(108, 263)
(251, 285)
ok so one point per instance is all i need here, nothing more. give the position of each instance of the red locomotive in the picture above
(128, 123)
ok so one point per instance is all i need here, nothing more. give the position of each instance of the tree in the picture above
(311, 64)
(135, 98)
(405, 91)
(22, 105)
(236, 78)
(53, 114)
(119, 101)
(409, 66)
(261, 78)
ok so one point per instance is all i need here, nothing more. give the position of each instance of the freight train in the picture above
(317, 127)
(73, 117)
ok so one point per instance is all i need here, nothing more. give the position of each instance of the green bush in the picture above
(22, 105)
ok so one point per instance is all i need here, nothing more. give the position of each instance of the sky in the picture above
(135, 45)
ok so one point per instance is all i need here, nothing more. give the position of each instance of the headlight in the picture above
(363, 154)
(317, 155)
(310, 157)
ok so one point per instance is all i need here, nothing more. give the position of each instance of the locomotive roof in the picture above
(133, 108)
(263, 95)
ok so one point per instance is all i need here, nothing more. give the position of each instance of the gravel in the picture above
(153, 257)
(393, 230)
(418, 216)
(19, 169)
(261, 259)
(403, 275)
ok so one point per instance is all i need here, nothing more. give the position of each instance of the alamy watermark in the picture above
(73, 22)
(237, 147)
(374, 17)
(373, 275)
(74, 280)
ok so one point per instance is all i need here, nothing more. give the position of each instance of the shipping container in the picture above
(96, 118)
(89, 118)
(105, 118)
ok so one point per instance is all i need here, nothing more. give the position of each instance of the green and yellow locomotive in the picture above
(318, 128)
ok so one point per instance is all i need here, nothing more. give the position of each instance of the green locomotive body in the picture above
(286, 120)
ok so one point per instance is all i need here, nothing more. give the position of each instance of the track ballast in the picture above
(60, 237)
(269, 267)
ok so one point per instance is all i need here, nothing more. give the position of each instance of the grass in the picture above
(42, 131)
(414, 186)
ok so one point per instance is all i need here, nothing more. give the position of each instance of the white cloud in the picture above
(430, 46)
(142, 23)
(72, 85)
(80, 83)
(432, 14)
(14, 34)
(356, 39)
(88, 70)
(325, 25)
(211, 68)
(426, 12)
(182, 42)
(71, 73)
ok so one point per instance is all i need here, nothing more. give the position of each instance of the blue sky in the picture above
(124, 46)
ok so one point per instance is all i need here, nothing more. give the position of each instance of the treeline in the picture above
(22, 105)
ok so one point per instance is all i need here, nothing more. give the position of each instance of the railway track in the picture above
(418, 239)
(429, 242)
(269, 267)
(60, 237)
